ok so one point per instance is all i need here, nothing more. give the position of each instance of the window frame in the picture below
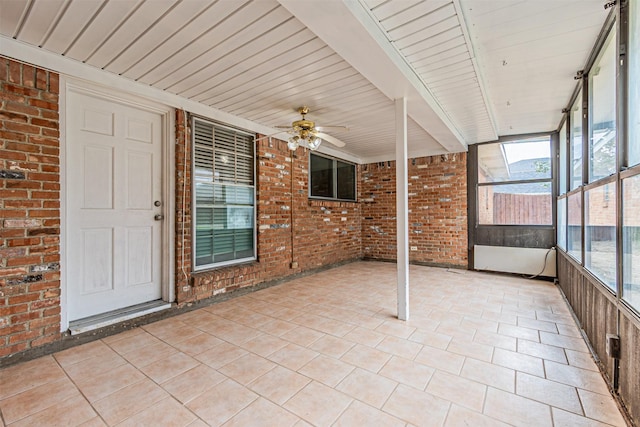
(195, 181)
(550, 180)
(334, 170)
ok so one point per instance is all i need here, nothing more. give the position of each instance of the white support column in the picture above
(402, 209)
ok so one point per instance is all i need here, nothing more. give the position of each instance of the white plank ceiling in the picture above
(472, 70)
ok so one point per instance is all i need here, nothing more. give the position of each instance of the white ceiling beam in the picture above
(348, 28)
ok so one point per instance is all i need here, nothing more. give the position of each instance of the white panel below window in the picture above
(529, 261)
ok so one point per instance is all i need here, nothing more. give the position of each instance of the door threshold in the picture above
(116, 316)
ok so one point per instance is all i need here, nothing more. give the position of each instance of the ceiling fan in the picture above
(305, 132)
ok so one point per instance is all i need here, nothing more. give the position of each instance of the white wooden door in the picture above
(114, 188)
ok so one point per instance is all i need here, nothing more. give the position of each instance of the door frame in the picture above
(168, 181)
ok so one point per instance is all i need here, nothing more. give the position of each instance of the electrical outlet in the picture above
(613, 346)
(414, 248)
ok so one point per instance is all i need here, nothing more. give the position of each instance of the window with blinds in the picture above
(224, 203)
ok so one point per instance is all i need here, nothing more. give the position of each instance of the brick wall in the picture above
(437, 194)
(291, 229)
(29, 207)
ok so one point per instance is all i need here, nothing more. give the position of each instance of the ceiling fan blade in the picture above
(330, 139)
(269, 136)
(282, 127)
(324, 128)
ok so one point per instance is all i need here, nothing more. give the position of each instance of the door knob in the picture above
(158, 217)
(157, 203)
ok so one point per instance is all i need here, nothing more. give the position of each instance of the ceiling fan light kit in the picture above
(304, 133)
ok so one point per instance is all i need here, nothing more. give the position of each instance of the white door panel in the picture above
(114, 178)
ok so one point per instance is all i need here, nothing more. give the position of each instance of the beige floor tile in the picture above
(326, 370)
(74, 355)
(471, 349)
(539, 325)
(220, 355)
(396, 328)
(198, 423)
(360, 414)
(581, 360)
(132, 342)
(366, 357)
(36, 399)
(564, 418)
(550, 392)
(453, 388)
(265, 344)
(365, 336)
(516, 410)
(89, 368)
(128, 401)
(519, 332)
(569, 330)
(407, 372)
(123, 335)
(576, 377)
(167, 412)
(400, 347)
(440, 359)
(571, 343)
(479, 324)
(169, 367)
(293, 356)
(332, 346)
(222, 402)
(489, 374)
(191, 384)
(93, 422)
(24, 376)
(318, 404)
(237, 334)
(367, 387)
(279, 384)
(433, 339)
(519, 362)
(302, 336)
(601, 407)
(175, 333)
(106, 383)
(149, 354)
(456, 331)
(197, 344)
(416, 407)
(459, 416)
(277, 327)
(74, 411)
(247, 368)
(262, 413)
(543, 351)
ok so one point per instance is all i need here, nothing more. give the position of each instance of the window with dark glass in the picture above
(224, 208)
(602, 114)
(330, 178)
(514, 182)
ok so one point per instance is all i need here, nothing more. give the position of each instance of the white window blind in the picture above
(224, 207)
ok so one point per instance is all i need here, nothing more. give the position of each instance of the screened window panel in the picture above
(634, 83)
(224, 195)
(575, 152)
(562, 170)
(562, 223)
(515, 204)
(526, 159)
(600, 233)
(574, 225)
(631, 241)
(331, 178)
(602, 117)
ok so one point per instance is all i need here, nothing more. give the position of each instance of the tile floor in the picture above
(479, 350)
